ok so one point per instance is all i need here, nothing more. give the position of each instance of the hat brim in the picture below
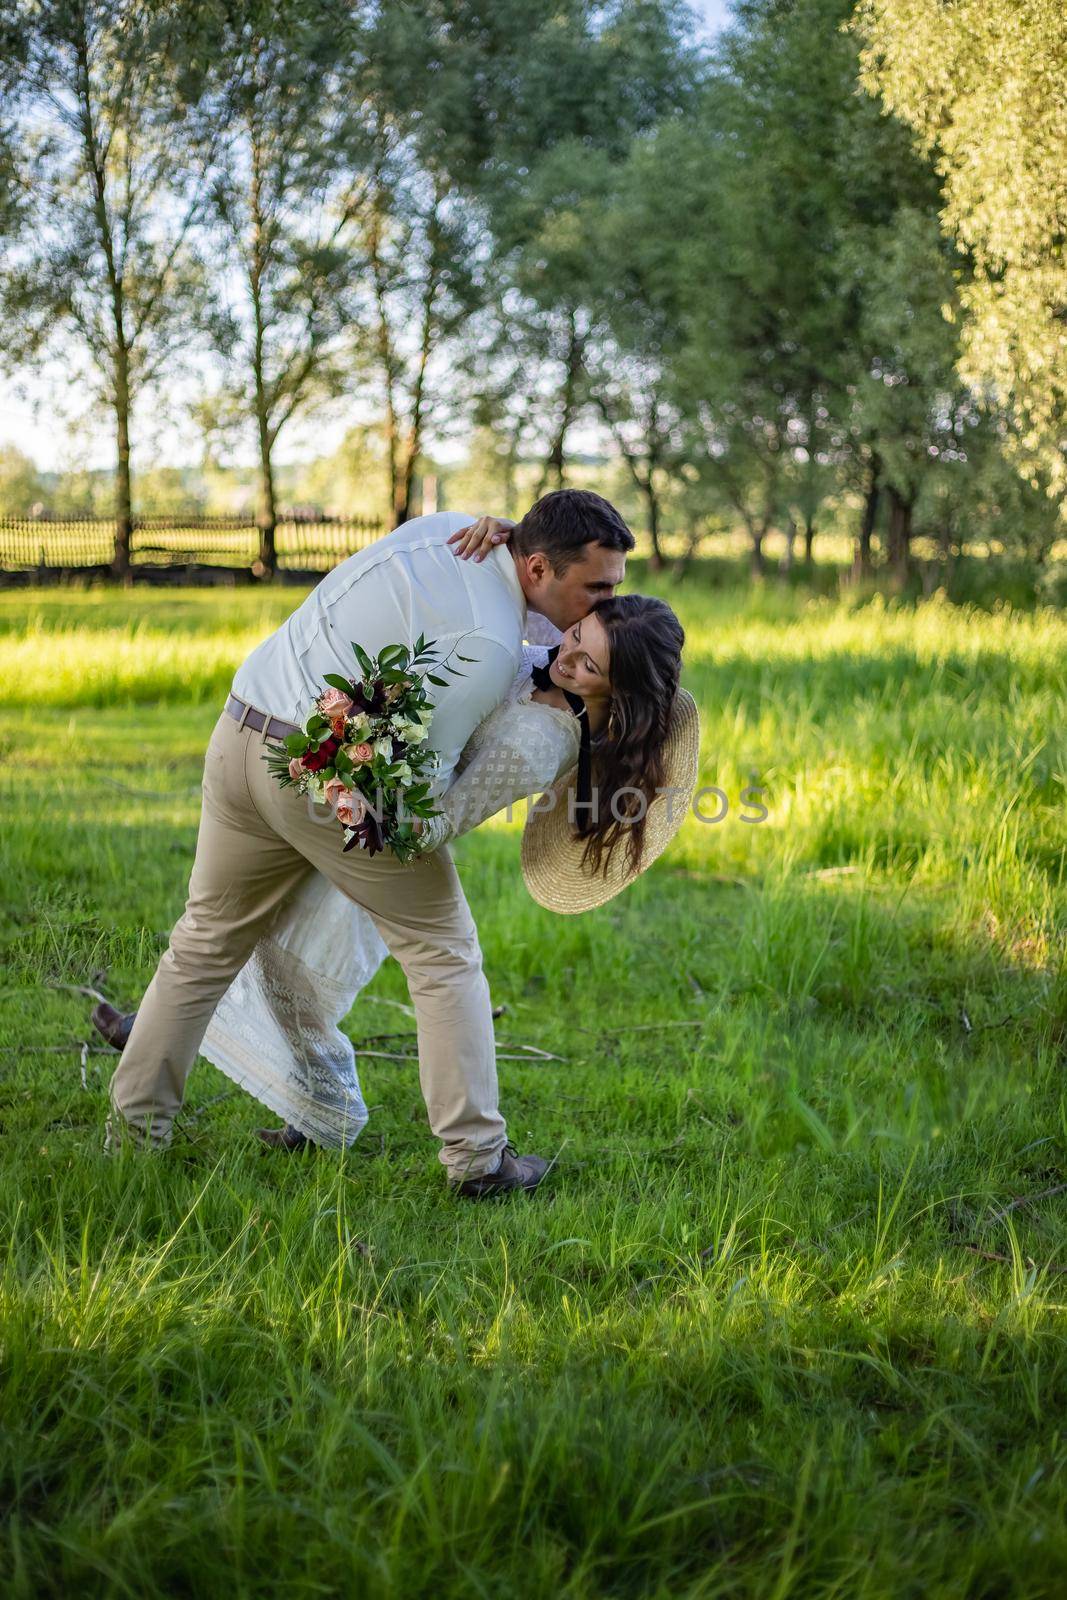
(552, 852)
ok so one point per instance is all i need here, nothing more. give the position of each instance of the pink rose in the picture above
(334, 790)
(351, 808)
(296, 768)
(335, 704)
(362, 751)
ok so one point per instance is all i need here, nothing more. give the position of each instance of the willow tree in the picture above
(983, 85)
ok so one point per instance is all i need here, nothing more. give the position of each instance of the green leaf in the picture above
(335, 681)
(365, 662)
(442, 683)
(294, 743)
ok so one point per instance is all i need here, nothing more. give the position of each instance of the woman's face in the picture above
(583, 664)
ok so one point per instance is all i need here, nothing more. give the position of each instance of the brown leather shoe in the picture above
(289, 1139)
(514, 1172)
(113, 1025)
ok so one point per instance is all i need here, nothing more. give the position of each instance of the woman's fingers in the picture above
(468, 540)
(480, 537)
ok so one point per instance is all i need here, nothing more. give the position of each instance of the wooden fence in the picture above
(81, 544)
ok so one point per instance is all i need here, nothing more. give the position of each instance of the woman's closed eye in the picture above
(590, 665)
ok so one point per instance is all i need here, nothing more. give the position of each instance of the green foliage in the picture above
(780, 309)
(21, 485)
(983, 83)
(286, 168)
(106, 103)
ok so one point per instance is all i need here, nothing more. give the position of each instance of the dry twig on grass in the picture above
(993, 1255)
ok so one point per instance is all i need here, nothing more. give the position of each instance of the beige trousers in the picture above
(256, 842)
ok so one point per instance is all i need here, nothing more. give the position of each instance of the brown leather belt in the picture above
(249, 717)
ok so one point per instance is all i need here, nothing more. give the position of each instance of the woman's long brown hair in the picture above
(646, 642)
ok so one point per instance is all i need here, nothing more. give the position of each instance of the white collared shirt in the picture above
(402, 585)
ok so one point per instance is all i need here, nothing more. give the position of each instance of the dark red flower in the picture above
(372, 700)
(368, 835)
(315, 760)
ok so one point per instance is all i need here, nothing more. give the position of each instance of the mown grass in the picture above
(789, 1318)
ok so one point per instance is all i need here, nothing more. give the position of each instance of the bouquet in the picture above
(363, 749)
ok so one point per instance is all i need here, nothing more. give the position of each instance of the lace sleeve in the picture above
(533, 655)
(526, 750)
(540, 631)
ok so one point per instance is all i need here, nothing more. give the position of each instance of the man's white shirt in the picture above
(406, 584)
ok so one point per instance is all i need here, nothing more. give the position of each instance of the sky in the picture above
(714, 14)
(49, 420)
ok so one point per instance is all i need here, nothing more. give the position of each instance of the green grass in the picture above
(789, 1318)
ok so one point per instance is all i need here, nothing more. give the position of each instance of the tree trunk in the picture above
(861, 561)
(406, 478)
(117, 294)
(757, 564)
(948, 552)
(266, 517)
(386, 358)
(790, 547)
(123, 490)
(809, 536)
(642, 477)
(696, 534)
(898, 536)
(267, 520)
(657, 562)
(556, 462)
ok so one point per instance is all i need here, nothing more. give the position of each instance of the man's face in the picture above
(593, 576)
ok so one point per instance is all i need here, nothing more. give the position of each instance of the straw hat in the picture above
(552, 851)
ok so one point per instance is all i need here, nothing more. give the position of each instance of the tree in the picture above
(111, 162)
(983, 84)
(586, 83)
(288, 188)
(909, 407)
(419, 293)
(792, 361)
(749, 194)
(21, 485)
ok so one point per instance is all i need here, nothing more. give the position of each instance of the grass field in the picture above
(790, 1318)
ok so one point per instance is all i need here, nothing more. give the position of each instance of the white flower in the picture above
(383, 747)
(403, 774)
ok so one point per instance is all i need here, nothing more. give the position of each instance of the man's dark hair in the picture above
(561, 524)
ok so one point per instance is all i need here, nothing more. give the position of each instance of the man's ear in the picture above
(538, 566)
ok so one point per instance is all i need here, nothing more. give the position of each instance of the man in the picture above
(258, 840)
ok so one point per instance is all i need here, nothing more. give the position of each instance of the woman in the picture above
(605, 702)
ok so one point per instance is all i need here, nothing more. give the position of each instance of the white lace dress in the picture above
(276, 1029)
